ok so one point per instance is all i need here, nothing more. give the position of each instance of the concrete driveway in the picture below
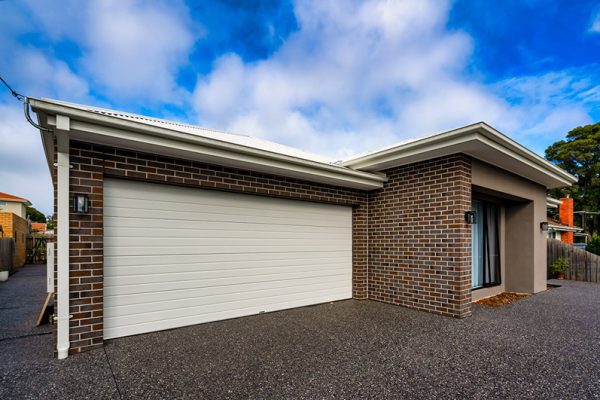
(546, 346)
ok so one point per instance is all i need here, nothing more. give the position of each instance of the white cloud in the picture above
(361, 75)
(130, 49)
(23, 168)
(40, 75)
(135, 49)
(595, 26)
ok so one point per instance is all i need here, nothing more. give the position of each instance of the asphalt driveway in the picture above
(546, 346)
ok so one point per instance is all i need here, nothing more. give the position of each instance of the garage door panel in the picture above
(251, 232)
(257, 242)
(273, 279)
(140, 304)
(112, 261)
(185, 215)
(214, 315)
(221, 249)
(268, 303)
(170, 198)
(233, 265)
(147, 223)
(250, 290)
(216, 273)
(224, 206)
(176, 256)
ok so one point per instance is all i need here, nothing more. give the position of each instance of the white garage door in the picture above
(177, 256)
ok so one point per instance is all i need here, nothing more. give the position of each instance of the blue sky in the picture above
(337, 78)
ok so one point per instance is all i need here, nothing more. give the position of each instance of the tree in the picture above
(593, 245)
(579, 154)
(50, 222)
(35, 215)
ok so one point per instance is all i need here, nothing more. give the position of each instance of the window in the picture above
(485, 245)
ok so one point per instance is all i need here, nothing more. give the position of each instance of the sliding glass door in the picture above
(485, 245)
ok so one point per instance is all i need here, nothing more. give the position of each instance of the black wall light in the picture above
(81, 203)
(470, 217)
(544, 226)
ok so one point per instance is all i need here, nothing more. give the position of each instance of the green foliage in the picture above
(559, 266)
(593, 245)
(50, 223)
(35, 215)
(579, 154)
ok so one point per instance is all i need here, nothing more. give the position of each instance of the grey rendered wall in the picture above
(525, 209)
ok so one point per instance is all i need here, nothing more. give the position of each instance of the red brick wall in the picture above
(17, 228)
(565, 213)
(419, 243)
(91, 163)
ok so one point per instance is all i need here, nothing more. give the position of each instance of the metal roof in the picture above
(236, 138)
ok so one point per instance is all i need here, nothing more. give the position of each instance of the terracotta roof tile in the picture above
(10, 197)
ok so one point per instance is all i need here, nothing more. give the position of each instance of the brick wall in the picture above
(92, 163)
(6, 222)
(416, 254)
(15, 227)
(419, 244)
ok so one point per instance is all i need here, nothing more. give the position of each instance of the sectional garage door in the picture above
(176, 256)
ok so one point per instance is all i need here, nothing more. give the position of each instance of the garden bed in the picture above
(501, 299)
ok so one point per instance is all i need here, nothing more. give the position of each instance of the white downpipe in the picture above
(62, 164)
(50, 267)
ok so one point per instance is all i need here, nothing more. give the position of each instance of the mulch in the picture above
(501, 299)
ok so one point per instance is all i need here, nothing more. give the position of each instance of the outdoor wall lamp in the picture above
(544, 226)
(470, 217)
(81, 203)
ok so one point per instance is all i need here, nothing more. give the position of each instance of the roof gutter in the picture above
(562, 228)
(91, 123)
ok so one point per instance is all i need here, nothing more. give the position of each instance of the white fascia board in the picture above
(102, 129)
(561, 228)
(551, 202)
(517, 149)
(474, 140)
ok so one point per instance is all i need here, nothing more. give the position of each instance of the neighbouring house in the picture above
(13, 223)
(163, 224)
(39, 227)
(563, 229)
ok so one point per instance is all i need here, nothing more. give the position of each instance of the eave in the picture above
(90, 127)
(479, 141)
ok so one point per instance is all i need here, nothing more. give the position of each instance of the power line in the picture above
(25, 101)
(16, 95)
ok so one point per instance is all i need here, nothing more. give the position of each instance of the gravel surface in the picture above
(544, 346)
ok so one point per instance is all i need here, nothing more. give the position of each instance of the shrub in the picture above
(593, 245)
(559, 266)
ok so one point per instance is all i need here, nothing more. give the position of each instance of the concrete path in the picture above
(545, 346)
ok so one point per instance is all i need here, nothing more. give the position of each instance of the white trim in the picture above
(475, 140)
(109, 130)
(62, 238)
(551, 202)
(560, 228)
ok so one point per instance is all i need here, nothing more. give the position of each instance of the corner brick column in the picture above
(419, 244)
(86, 267)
